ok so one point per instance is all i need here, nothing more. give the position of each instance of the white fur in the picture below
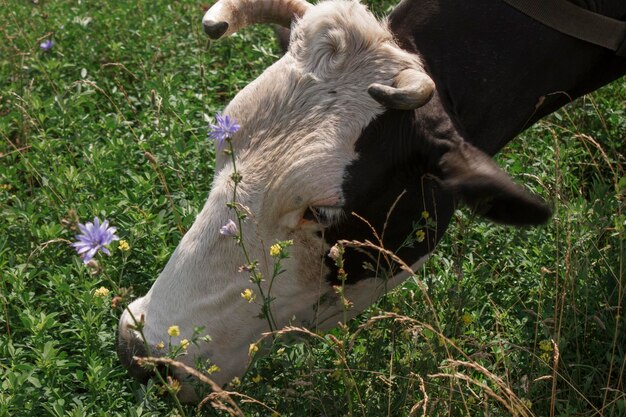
(299, 123)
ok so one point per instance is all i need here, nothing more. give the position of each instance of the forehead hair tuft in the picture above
(333, 31)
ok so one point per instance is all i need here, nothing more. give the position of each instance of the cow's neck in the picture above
(498, 71)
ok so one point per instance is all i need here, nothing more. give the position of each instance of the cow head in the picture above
(308, 124)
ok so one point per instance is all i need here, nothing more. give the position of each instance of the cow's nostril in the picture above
(215, 30)
(127, 348)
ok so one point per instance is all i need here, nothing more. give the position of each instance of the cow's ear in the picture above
(474, 178)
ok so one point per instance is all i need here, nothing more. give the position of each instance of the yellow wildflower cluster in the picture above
(174, 385)
(101, 292)
(278, 248)
(213, 369)
(248, 295)
(545, 345)
(252, 349)
(123, 245)
(420, 235)
(425, 214)
(467, 319)
(257, 379)
(275, 250)
(184, 344)
(173, 331)
(160, 345)
(5, 187)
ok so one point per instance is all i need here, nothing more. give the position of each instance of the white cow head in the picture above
(299, 122)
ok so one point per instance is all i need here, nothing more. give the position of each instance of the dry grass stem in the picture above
(423, 403)
(218, 394)
(555, 367)
(507, 398)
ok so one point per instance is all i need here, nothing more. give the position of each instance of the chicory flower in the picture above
(229, 229)
(94, 237)
(224, 128)
(46, 45)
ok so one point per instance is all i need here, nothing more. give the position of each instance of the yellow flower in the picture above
(275, 250)
(174, 385)
(184, 344)
(101, 292)
(257, 379)
(420, 235)
(252, 349)
(213, 369)
(5, 187)
(173, 331)
(235, 382)
(160, 345)
(425, 214)
(545, 345)
(467, 319)
(280, 351)
(248, 295)
(123, 245)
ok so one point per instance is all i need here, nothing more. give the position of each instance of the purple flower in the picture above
(94, 237)
(229, 229)
(225, 128)
(46, 45)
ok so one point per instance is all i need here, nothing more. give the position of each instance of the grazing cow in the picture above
(348, 121)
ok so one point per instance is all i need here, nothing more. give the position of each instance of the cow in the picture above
(361, 126)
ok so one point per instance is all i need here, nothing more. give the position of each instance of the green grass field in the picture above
(112, 122)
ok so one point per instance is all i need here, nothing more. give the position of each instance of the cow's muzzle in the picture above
(131, 345)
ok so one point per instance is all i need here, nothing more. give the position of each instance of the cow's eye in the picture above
(323, 215)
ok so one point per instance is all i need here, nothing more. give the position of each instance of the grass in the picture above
(112, 122)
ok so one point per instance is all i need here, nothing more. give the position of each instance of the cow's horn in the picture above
(412, 89)
(228, 16)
